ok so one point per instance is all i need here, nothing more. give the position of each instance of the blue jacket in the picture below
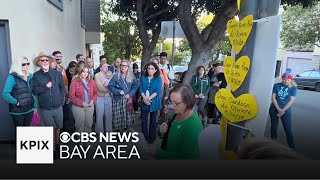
(155, 87)
(112, 69)
(117, 84)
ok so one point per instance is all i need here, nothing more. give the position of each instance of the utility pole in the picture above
(173, 36)
(261, 47)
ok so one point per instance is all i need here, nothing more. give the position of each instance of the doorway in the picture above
(7, 130)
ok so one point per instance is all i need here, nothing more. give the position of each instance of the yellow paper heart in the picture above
(236, 72)
(239, 32)
(238, 109)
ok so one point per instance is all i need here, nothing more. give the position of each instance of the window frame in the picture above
(82, 14)
(305, 72)
(57, 3)
(317, 72)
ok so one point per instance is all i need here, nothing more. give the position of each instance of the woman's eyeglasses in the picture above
(124, 65)
(174, 104)
(42, 60)
(24, 64)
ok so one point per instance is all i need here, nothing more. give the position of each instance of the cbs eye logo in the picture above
(65, 137)
(77, 137)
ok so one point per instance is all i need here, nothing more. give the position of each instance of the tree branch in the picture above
(206, 31)
(188, 24)
(157, 14)
(220, 21)
(155, 36)
(147, 6)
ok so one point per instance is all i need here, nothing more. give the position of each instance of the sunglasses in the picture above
(42, 60)
(24, 64)
(124, 65)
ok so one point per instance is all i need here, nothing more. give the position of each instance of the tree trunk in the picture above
(129, 49)
(148, 46)
(200, 58)
(146, 55)
(204, 44)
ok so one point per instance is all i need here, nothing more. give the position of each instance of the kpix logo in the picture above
(35, 145)
(29, 145)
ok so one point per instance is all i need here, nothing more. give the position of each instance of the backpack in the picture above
(169, 67)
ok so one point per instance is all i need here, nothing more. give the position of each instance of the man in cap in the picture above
(49, 88)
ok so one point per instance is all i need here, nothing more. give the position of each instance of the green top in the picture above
(200, 85)
(183, 139)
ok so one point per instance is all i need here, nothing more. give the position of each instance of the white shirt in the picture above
(170, 72)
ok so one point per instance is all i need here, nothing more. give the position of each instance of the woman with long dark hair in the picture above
(150, 90)
(200, 83)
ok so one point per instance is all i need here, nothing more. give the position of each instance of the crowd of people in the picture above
(83, 99)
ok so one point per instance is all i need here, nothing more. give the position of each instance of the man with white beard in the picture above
(49, 88)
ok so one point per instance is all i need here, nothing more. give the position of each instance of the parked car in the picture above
(178, 70)
(309, 79)
(138, 63)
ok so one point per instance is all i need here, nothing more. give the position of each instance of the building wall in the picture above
(316, 50)
(38, 25)
(300, 61)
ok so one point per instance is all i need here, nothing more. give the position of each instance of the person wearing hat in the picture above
(283, 96)
(49, 87)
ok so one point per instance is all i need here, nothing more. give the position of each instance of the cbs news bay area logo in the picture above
(35, 145)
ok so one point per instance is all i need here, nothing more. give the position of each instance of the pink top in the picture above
(77, 92)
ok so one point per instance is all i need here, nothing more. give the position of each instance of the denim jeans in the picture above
(286, 122)
(150, 135)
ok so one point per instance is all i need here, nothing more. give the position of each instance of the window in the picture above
(305, 74)
(57, 3)
(82, 13)
(315, 74)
